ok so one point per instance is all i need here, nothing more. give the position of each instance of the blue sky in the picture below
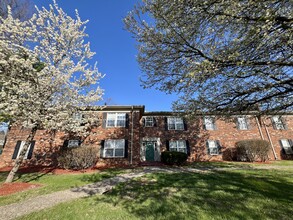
(115, 52)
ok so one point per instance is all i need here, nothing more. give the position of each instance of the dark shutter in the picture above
(185, 124)
(237, 123)
(166, 123)
(187, 147)
(282, 147)
(102, 148)
(143, 122)
(155, 122)
(126, 149)
(65, 144)
(284, 123)
(203, 123)
(16, 149)
(127, 120)
(273, 123)
(104, 120)
(167, 145)
(79, 142)
(207, 146)
(219, 146)
(31, 149)
(291, 143)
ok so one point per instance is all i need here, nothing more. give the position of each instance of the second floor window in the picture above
(175, 123)
(209, 123)
(116, 120)
(149, 121)
(278, 123)
(242, 123)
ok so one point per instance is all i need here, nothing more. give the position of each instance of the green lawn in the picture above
(244, 192)
(52, 183)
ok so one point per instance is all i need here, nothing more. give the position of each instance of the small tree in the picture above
(45, 75)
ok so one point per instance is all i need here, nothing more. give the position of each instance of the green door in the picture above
(149, 151)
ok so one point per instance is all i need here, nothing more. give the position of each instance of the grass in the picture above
(51, 183)
(245, 192)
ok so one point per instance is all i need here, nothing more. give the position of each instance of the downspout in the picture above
(259, 128)
(268, 134)
(131, 142)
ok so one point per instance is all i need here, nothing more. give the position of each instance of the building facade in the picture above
(128, 135)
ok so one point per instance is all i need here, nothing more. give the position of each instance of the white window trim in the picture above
(152, 121)
(244, 122)
(211, 123)
(177, 142)
(178, 123)
(286, 146)
(115, 141)
(115, 118)
(216, 146)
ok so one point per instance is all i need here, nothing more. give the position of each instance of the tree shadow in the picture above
(217, 194)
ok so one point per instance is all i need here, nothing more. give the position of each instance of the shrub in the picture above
(78, 158)
(252, 150)
(173, 157)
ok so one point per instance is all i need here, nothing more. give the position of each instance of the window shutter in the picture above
(16, 149)
(219, 146)
(185, 124)
(79, 142)
(187, 147)
(104, 120)
(204, 124)
(237, 123)
(166, 123)
(31, 149)
(273, 123)
(127, 119)
(291, 143)
(102, 148)
(65, 144)
(167, 145)
(282, 147)
(126, 149)
(143, 122)
(207, 146)
(284, 123)
(155, 122)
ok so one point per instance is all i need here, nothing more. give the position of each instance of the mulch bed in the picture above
(10, 188)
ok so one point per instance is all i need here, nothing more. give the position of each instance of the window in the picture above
(175, 123)
(116, 120)
(213, 147)
(179, 146)
(18, 148)
(242, 123)
(149, 121)
(77, 116)
(278, 123)
(287, 145)
(73, 143)
(114, 148)
(209, 123)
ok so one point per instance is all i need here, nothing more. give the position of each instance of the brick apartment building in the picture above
(129, 135)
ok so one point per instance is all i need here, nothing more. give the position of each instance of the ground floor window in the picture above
(178, 145)
(213, 147)
(114, 148)
(287, 145)
(18, 148)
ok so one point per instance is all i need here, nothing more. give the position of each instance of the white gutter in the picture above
(131, 142)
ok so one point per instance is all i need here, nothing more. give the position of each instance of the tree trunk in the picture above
(21, 156)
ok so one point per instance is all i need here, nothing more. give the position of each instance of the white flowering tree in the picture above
(45, 74)
(225, 55)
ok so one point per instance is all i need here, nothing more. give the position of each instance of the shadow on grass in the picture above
(215, 195)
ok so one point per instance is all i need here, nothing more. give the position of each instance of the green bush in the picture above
(252, 150)
(173, 157)
(78, 158)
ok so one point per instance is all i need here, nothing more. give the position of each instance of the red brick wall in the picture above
(48, 144)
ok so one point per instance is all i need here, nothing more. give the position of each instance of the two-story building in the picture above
(128, 135)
